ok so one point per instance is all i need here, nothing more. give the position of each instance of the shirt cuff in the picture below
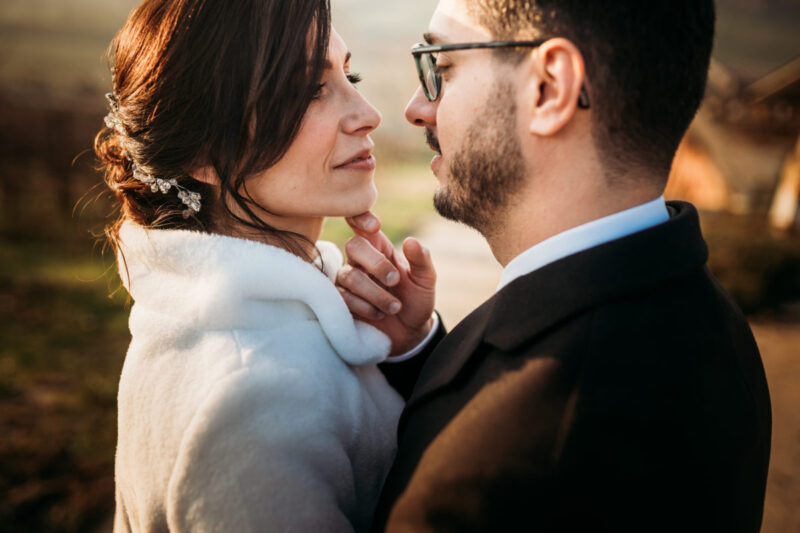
(421, 346)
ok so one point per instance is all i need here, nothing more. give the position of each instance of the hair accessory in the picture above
(189, 198)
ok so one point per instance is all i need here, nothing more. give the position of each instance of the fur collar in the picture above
(212, 281)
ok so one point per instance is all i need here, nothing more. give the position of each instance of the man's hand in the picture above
(392, 291)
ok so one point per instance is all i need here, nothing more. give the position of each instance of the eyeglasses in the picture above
(431, 77)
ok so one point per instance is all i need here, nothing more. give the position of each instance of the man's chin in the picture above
(446, 205)
(452, 207)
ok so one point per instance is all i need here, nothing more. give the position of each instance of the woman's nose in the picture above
(420, 111)
(365, 118)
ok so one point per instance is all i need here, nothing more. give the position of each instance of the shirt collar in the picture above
(585, 236)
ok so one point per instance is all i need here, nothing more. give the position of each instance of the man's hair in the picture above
(646, 65)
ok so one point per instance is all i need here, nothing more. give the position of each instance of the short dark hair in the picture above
(209, 82)
(646, 65)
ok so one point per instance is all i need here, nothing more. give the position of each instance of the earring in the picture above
(583, 98)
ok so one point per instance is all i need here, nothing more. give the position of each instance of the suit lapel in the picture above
(452, 352)
(587, 279)
(540, 300)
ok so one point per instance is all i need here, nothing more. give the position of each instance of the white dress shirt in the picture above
(585, 236)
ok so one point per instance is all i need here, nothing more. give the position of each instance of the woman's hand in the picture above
(392, 291)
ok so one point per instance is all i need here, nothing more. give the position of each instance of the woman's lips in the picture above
(359, 164)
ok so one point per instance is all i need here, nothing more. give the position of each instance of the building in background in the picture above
(740, 155)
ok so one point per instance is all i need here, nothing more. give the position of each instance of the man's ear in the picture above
(206, 174)
(557, 74)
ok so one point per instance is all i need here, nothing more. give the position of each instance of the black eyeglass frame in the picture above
(418, 50)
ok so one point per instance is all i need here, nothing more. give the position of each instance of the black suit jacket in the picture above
(618, 389)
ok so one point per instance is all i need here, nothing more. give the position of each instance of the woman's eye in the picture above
(441, 69)
(318, 92)
(354, 78)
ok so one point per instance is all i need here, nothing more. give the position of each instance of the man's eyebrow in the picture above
(432, 38)
(329, 65)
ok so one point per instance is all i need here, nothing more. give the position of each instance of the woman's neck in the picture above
(297, 235)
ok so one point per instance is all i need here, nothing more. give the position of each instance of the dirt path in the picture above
(468, 275)
(780, 350)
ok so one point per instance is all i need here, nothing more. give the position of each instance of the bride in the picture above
(250, 399)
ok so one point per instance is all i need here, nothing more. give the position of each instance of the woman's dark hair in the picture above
(209, 82)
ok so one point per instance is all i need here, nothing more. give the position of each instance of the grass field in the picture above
(63, 343)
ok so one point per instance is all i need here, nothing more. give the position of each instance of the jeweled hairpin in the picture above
(189, 198)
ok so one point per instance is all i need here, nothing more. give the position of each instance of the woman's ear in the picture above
(557, 75)
(206, 174)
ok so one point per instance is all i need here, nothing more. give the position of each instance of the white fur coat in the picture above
(249, 399)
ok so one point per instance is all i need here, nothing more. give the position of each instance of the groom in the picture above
(610, 384)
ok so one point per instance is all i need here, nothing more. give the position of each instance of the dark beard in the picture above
(489, 168)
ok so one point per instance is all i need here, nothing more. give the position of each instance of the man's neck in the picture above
(537, 217)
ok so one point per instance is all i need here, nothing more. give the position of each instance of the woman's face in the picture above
(329, 168)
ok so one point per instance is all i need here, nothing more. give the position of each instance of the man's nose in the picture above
(420, 111)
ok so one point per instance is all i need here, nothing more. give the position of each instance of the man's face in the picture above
(472, 126)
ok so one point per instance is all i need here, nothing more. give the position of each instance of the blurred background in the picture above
(63, 317)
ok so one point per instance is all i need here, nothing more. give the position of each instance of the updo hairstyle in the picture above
(208, 82)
